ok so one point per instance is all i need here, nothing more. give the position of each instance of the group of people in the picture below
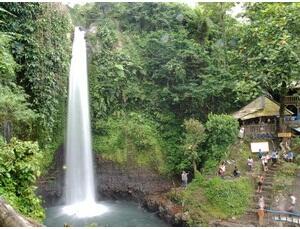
(261, 207)
(289, 156)
(222, 169)
(274, 156)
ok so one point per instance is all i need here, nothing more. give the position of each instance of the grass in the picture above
(210, 199)
(284, 178)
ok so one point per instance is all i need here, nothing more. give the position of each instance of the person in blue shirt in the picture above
(290, 156)
(274, 157)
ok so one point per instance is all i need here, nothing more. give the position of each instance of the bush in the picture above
(131, 138)
(194, 136)
(19, 169)
(210, 167)
(221, 132)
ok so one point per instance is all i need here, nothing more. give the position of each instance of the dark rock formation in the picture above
(51, 184)
(130, 182)
(172, 213)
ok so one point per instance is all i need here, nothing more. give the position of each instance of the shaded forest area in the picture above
(164, 79)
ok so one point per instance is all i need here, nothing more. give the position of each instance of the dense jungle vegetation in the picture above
(164, 79)
(35, 50)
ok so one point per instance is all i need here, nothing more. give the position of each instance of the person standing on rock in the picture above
(184, 178)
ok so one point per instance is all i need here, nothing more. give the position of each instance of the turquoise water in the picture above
(119, 214)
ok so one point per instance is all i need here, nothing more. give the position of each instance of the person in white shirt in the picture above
(184, 178)
(292, 203)
(250, 163)
(222, 170)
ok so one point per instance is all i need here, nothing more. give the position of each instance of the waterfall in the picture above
(79, 179)
(79, 164)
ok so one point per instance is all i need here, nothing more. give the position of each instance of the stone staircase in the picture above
(250, 218)
(251, 215)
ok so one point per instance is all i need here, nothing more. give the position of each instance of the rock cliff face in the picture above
(51, 184)
(125, 181)
(118, 182)
(113, 181)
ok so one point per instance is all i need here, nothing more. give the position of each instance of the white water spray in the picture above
(80, 185)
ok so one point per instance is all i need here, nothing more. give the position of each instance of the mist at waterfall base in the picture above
(82, 208)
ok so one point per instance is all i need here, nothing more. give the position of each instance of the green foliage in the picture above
(42, 50)
(146, 17)
(221, 132)
(131, 139)
(268, 48)
(34, 57)
(19, 169)
(210, 167)
(230, 196)
(147, 57)
(171, 132)
(214, 198)
(193, 137)
(13, 105)
(15, 110)
(287, 169)
(7, 62)
(295, 143)
(284, 178)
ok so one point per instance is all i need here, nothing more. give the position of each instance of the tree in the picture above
(193, 137)
(14, 110)
(221, 132)
(41, 48)
(269, 48)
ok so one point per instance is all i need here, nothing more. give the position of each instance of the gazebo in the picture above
(260, 118)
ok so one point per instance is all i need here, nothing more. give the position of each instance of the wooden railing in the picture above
(292, 123)
(257, 128)
(260, 131)
(291, 100)
(289, 218)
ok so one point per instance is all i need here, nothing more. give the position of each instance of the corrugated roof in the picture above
(260, 107)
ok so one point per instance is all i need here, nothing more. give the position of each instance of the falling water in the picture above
(80, 185)
(81, 208)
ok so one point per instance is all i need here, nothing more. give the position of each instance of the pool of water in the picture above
(117, 214)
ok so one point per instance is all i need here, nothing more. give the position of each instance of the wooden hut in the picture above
(260, 118)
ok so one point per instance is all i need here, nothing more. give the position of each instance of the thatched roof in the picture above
(260, 107)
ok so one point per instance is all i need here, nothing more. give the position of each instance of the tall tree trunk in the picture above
(283, 93)
(7, 130)
(282, 126)
(195, 167)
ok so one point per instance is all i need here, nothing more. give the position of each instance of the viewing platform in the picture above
(292, 100)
